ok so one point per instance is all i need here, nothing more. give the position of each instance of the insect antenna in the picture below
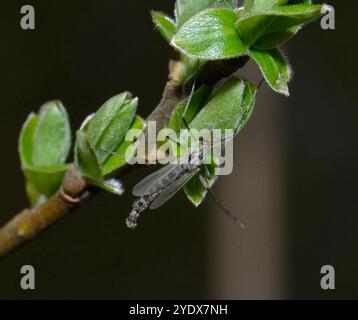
(260, 83)
(205, 184)
(227, 211)
(188, 104)
(192, 90)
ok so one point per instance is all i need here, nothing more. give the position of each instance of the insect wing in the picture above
(147, 185)
(171, 190)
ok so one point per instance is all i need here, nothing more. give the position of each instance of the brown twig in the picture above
(75, 190)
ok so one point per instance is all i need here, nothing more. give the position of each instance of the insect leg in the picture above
(112, 152)
(205, 184)
(187, 106)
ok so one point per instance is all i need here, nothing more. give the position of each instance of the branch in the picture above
(75, 191)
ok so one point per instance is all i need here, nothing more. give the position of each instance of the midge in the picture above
(160, 186)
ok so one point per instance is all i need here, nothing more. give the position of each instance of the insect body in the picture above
(162, 185)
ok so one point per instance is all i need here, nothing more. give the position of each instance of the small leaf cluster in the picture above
(45, 143)
(215, 30)
(100, 141)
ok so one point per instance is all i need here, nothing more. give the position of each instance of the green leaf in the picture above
(185, 9)
(86, 160)
(52, 139)
(44, 144)
(101, 135)
(274, 68)
(252, 22)
(46, 181)
(293, 15)
(227, 107)
(36, 198)
(261, 5)
(107, 128)
(271, 22)
(88, 166)
(252, 27)
(118, 160)
(247, 105)
(115, 132)
(27, 139)
(103, 117)
(211, 34)
(273, 39)
(164, 24)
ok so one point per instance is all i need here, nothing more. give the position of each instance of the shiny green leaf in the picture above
(100, 136)
(262, 5)
(107, 127)
(185, 9)
(86, 160)
(27, 139)
(292, 15)
(227, 107)
(116, 130)
(116, 161)
(273, 39)
(103, 117)
(274, 68)
(211, 34)
(44, 144)
(247, 106)
(270, 38)
(52, 139)
(271, 22)
(164, 24)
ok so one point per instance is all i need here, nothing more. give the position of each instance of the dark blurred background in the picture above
(294, 184)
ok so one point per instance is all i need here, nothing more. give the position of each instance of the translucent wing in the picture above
(157, 180)
(172, 189)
